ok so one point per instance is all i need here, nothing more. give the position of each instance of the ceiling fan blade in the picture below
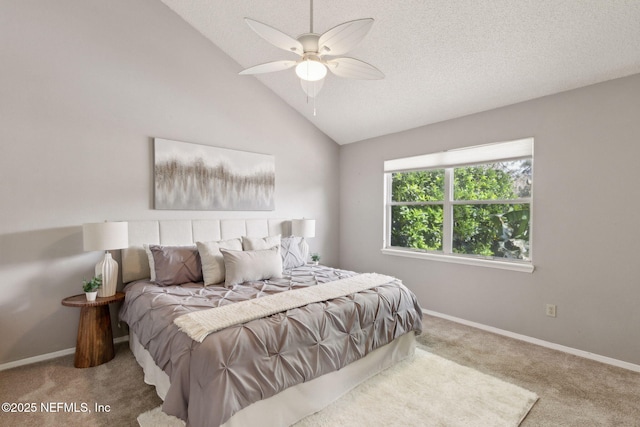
(351, 68)
(311, 88)
(275, 37)
(269, 67)
(344, 37)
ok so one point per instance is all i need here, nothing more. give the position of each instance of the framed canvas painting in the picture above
(199, 177)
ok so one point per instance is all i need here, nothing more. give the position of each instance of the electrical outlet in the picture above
(550, 310)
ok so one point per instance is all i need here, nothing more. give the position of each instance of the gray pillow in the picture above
(260, 243)
(245, 266)
(213, 270)
(175, 265)
(294, 251)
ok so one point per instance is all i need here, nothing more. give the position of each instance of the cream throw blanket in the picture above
(199, 324)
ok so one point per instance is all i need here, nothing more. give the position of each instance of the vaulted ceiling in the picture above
(441, 58)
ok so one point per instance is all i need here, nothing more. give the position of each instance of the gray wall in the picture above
(585, 220)
(85, 86)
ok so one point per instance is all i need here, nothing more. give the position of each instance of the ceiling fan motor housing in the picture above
(309, 42)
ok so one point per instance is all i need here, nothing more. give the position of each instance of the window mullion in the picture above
(438, 203)
(447, 232)
(493, 202)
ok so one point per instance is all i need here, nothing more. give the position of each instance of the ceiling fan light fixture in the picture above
(312, 66)
(311, 70)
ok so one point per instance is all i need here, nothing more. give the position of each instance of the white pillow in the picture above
(245, 266)
(260, 243)
(152, 266)
(213, 270)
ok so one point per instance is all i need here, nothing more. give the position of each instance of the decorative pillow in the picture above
(260, 243)
(213, 270)
(175, 265)
(244, 266)
(294, 251)
(152, 268)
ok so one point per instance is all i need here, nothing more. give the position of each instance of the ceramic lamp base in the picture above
(108, 268)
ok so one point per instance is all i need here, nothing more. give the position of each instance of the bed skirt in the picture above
(299, 401)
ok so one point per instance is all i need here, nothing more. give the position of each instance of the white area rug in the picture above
(426, 390)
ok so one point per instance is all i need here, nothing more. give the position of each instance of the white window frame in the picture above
(448, 160)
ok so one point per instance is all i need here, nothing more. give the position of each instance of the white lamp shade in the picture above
(311, 88)
(311, 70)
(105, 236)
(303, 227)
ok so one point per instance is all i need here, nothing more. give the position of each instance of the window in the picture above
(470, 206)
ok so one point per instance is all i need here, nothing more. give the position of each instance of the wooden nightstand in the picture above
(94, 345)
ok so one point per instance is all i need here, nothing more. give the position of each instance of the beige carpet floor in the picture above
(572, 391)
(118, 383)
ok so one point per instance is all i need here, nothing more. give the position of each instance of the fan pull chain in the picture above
(314, 97)
(313, 90)
(314, 104)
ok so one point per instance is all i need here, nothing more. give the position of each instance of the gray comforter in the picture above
(234, 367)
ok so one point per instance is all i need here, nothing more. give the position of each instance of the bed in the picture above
(268, 370)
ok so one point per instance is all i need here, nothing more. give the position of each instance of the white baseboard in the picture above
(42, 357)
(554, 346)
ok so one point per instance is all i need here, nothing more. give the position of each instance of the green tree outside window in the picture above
(486, 229)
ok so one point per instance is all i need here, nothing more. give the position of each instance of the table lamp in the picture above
(303, 227)
(106, 236)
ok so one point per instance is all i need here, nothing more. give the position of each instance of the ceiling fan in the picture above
(318, 52)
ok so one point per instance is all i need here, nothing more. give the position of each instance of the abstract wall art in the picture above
(200, 177)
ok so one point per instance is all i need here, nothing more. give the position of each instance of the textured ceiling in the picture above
(442, 58)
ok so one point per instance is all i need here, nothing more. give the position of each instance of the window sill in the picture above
(479, 262)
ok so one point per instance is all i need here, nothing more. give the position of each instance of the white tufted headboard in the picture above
(135, 264)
